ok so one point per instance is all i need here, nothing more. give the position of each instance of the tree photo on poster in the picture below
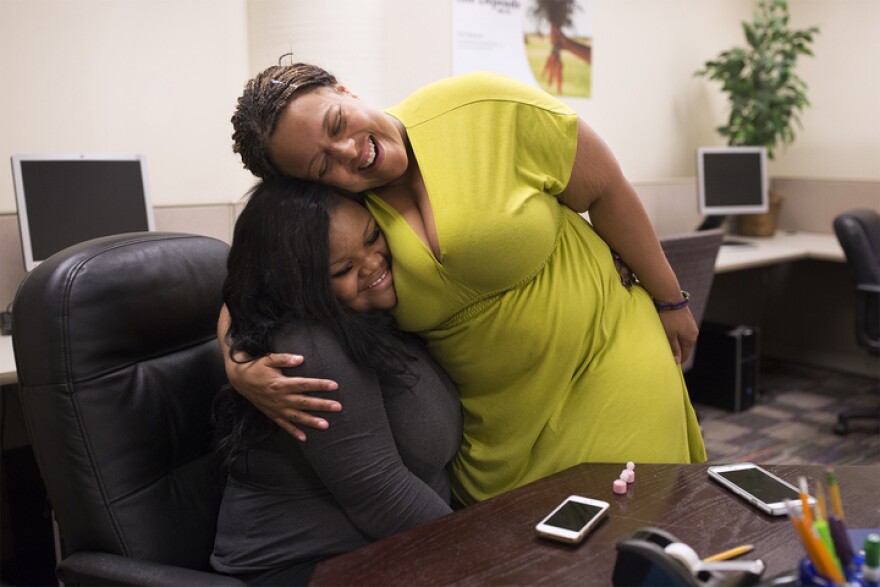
(559, 45)
(547, 43)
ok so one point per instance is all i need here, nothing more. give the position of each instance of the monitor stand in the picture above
(712, 222)
(732, 242)
(715, 221)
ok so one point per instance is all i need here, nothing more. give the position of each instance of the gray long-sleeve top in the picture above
(379, 469)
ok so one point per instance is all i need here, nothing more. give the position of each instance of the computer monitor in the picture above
(732, 180)
(67, 199)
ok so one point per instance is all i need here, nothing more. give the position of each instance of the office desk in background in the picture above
(494, 542)
(780, 248)
(797, 290)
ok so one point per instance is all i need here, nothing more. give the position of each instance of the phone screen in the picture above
(573, 515)
(762, 486)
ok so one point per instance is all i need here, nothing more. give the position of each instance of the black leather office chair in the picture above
(118, 362)
(859, 234)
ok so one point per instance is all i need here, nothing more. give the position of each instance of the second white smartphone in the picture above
(759, 487)
(572, 519)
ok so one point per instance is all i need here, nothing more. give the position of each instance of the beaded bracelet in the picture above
(669, 306)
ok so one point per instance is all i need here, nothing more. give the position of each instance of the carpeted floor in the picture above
(792, 421)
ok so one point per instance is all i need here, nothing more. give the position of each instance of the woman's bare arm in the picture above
(282, 399)
(597, 186)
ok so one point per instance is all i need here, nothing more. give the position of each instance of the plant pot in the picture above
(761, 224)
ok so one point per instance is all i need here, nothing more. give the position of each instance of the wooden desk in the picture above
(494, 543)
(8, 374)
(780, 248)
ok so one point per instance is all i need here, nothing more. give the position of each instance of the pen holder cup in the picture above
(810, 578)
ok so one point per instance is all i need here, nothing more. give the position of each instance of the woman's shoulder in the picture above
(321, 346)
(477, 85)
(324, 348)
(470, 88)
(302, 332)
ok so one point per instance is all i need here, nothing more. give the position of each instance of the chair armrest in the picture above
(99, 568)
(868, 287)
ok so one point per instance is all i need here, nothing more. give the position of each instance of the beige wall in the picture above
(646, 103)
(157, 77)
(160, 77)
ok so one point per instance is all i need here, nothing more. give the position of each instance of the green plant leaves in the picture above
(764, 92)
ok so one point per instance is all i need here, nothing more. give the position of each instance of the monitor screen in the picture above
(67, 199)
(732, 180)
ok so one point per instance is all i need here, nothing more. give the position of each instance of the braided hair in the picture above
(260, 106)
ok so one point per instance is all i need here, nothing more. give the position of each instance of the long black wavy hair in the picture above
(278, 273)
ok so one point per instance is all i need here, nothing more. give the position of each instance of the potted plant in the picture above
(764, 92)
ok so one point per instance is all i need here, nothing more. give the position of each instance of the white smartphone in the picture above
(758, 486)
(572, 519)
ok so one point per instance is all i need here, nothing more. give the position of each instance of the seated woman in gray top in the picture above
(309, 270)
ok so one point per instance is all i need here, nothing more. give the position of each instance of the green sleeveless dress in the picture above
(555, 361)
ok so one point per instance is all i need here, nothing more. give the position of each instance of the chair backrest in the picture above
(859, 234)
(692, 257)
(117, 358)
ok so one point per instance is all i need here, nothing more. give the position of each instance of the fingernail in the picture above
(332, 385)
(322, 424)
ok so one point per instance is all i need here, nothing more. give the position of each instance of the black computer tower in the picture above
(726, 372)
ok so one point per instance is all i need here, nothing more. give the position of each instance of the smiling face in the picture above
(328, 135)
(360, 262)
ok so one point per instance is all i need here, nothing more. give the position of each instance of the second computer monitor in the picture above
(732, 180)
(67, 199)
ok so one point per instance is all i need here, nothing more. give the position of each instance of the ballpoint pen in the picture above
(797, 522)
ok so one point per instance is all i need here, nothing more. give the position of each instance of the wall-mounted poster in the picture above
(547, 43)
